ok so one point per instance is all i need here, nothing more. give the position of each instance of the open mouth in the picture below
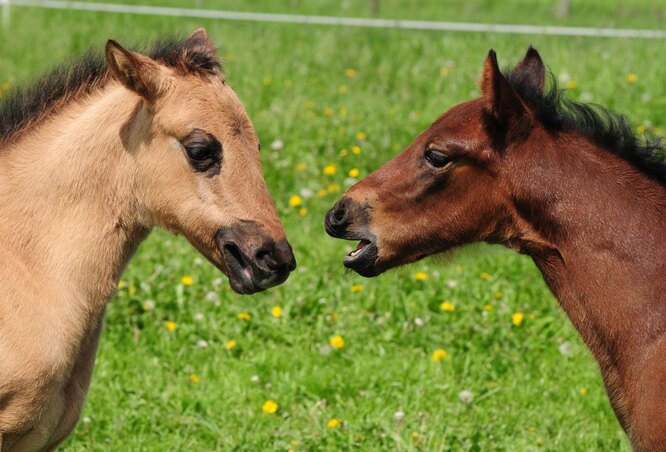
(362, 260)
(240, 271)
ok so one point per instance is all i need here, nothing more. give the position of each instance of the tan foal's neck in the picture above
(68, 188)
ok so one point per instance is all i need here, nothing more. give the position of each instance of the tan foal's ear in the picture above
(137, 72)
(200, 39)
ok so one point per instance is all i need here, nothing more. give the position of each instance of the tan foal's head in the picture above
(196, 161)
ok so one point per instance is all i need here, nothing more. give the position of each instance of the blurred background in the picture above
(470, 352)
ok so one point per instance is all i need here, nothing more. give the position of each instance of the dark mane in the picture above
(26, 105)
(600, 125)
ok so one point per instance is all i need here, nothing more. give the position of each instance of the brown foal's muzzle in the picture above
(254, 260)
(349, 220)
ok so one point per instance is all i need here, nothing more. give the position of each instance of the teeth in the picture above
(355, 252)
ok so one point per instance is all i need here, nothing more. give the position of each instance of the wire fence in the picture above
(333, 20)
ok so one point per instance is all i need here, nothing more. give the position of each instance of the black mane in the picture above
(600, 125)
(27, 105)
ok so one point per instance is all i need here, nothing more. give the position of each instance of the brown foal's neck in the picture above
(598, 224)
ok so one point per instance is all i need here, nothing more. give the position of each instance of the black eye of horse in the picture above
(200, 152)
(437, 159)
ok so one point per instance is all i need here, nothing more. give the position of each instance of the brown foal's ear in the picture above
(531, 71)
(137, 72)
(502, 102)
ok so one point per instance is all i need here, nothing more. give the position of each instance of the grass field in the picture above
(185, 364)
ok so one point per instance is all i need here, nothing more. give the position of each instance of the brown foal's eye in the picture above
(437, 159)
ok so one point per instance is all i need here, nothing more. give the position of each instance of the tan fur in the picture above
(79, 191)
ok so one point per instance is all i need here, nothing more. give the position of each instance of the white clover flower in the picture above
(452, 283)
(566, 348)
(202, 343)
(255, 379)
(199, 317)
(399, 416)
(466, 396)
(419, 322)
(148, 305)
(277, 145)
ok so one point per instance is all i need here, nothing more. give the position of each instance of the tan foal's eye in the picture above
(437, 159)
(203, 150)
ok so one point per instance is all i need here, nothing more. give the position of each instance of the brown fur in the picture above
(80, 188)
(591, 218)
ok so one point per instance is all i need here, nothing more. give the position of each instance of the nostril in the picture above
(264, 257)
(339, 214)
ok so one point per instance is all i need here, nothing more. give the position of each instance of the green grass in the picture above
(527, 394)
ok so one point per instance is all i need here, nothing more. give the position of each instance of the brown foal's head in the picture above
(449, 187)
(195, 155)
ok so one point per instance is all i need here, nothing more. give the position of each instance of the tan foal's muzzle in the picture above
(254, 260)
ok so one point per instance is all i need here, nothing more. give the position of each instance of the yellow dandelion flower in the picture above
(458, 268)
(194, 378)
(295, 442)
(415, 435)
(447, 306)
(334, 316)
(328, 111)
(343, 88)
(171, 326)
(498, 294)
(343, 153)
(244, 316)
(132, 290)
(276, 311)
(631, 77)
(295, 201)
(356, 150)
(485, 276)
(309, 104)
(321, 193)
(333, 188)
(333, 423)
(532, 316)
(361, 136)
(350, 72)
(230, 344)
(330, 170)
(439, 355)
(337, 342)
(488, 307)
(187, 280)
(420, 276)
(517, 318)
(443, 71)
(267, 81)
(302, 211)
(270, 407)
(570, 84)
(301, 166)
(343, 112)
(354, 172)
(582, 390)
(356, 288)
(121, 284)
(641, 128)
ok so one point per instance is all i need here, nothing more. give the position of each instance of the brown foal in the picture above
(568, 185)
(91, 159)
